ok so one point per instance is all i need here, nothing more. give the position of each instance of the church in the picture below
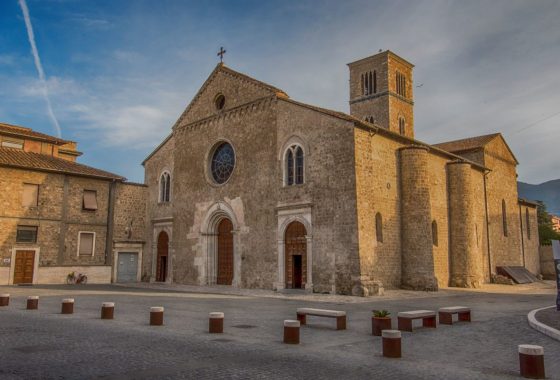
(253, 189)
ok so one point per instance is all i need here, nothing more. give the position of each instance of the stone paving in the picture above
(550, 317)
(44, 344)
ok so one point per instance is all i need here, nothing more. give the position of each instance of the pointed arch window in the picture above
(165, 187)
(379, 227)
(295, 166)
(434, 233)
(402, 125)
(504, 218)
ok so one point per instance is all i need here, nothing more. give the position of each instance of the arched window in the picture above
(362, 85)
(434, 233)
(379, 227)
(402, 125)
(375, 82)
(164, 187)
(504, 217)
(366, 87)
(528, 223)
(400, 84)
(295, 165)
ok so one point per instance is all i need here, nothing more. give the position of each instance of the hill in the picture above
(548, 192)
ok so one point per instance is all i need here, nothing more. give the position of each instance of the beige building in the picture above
(254, 189)
(58, 216)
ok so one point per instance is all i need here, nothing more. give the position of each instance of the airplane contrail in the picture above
(38, 65)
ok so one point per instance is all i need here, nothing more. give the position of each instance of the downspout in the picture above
(522, 238)
(487, 226)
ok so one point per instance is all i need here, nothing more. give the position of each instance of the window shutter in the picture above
(90, 200)
(30, 195)
(86, 243)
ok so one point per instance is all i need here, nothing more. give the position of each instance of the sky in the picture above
(115, 75)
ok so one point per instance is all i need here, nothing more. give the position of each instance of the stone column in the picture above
(463, 263)
(416, 221)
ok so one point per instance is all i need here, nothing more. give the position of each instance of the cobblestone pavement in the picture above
(44, 344)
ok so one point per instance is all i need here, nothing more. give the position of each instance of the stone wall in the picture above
(547, 262)
(502, 185)
(129, 218)
(530, 237)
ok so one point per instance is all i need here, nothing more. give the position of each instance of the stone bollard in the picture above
(156, 316)
(216, 323)
(32, 302)
(391, 343)
(291, 331)
(67, 306)
(531, 361)
(107, 310)
(4, 299)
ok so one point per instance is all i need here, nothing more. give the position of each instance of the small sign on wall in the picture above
(7, 261)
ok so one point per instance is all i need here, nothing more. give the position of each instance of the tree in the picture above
(546, 232)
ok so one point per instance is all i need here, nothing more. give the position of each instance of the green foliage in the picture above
(381, 313)
(546, 232)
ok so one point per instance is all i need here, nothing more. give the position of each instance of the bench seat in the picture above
(405, 319)
(446, 314)
(340, 316)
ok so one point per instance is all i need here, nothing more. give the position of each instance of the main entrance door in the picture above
(162, 255)
(225, 253)
(296, 256)
(23, 269)
(128, 267)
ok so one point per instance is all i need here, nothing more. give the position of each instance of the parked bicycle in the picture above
(76, 278)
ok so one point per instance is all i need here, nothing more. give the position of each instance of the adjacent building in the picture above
(58, 216)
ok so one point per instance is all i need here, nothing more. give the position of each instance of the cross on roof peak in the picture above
(221, 54)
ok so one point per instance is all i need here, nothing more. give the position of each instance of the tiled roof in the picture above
(17, 131)
(463, 145)
(34, 161)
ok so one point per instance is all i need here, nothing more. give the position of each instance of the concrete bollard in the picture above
(107, 310)
(531, 361)
(4, 299)
(291, 331)
(67, 306)
(32, 302)
(391, 343)
(216, 323)
(156, 316)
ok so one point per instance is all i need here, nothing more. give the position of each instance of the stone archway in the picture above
(295, 245)
(162, 264)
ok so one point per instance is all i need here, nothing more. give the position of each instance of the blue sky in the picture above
(119, 73)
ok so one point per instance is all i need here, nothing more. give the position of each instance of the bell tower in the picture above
(381, 92)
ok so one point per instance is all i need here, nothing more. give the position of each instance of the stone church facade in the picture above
(253, 189)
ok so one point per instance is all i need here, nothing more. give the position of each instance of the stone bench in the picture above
(340, 316)
(446, 314)
(405, 319)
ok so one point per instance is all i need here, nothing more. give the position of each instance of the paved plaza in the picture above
(44, 344)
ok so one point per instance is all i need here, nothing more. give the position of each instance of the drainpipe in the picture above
(487, 225)
(110, 223)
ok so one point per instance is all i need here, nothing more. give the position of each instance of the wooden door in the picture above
(23, 270)
(225, 253)
(296, 256)
(162, 252)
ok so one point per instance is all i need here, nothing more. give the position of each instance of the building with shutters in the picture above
(58, 216)
(254, 189)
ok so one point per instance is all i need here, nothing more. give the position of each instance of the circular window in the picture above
(220, 101)
(223, 162)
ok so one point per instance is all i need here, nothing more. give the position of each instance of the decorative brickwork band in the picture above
(156, 316)
(32, 302)
(67, 306)
(531, 361)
